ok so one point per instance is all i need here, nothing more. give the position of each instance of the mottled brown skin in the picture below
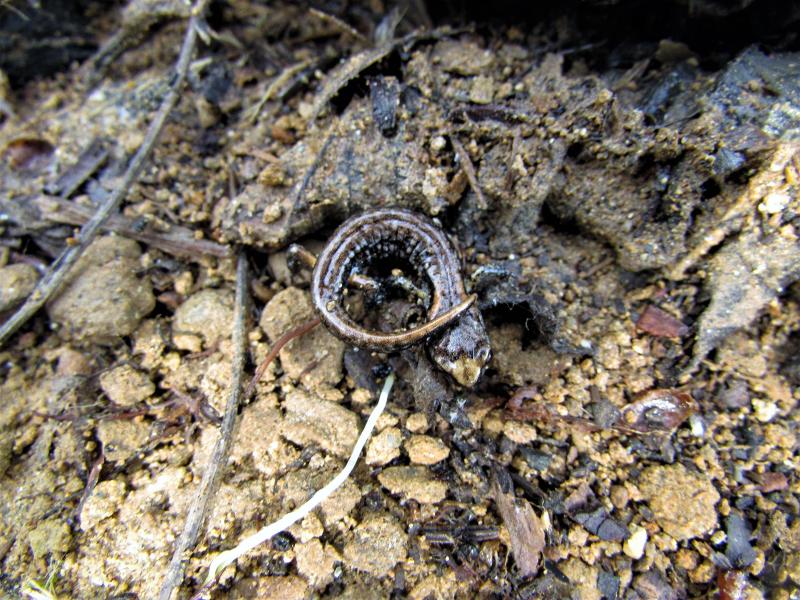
(456, 337)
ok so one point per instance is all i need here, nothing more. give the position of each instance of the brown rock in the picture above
(426, 450)
(378, 544)
(103, 502)
(122, 439)
(315, 356)
(340, 503)
(311, 420)
(462, 58)
(52, 536)
(683, 502)
(290, 587)
(315, 562)
(207, 315)
(16, 284)
(126, 386)
(103, 298)
(259, 436)
(415, 483)
(417, 423)
(384, 447)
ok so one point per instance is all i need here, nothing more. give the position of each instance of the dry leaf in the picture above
(524, 528)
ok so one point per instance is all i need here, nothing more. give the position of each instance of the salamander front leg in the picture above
(298, 258)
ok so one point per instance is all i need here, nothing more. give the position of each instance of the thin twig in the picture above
(276, 348)
(280, 81)
(51, 282)
(208, 485)
(338, 24)
(225, 558)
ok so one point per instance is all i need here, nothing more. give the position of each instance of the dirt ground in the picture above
(624, 192)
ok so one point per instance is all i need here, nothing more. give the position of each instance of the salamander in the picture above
(455, 335)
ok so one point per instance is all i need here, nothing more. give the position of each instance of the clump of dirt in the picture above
(626, 205)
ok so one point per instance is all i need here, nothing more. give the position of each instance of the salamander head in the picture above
(463, 349)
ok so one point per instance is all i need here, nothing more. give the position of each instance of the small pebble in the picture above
(52, 536)
(519, 432)
(683, 502)
(619, 496)
(765, 410)
(417, 423)
(635, 544)
(126, 386)
(104, 298)
(482, 90)
(311, 420)
(384, 447)
(207, 315)
(104, 501)
(774, 202)
(426, 450)
(122, 438)
(16, 283)
(462, 58)
(317, 355)
(315, 562)
(378, 544)
(415, 483)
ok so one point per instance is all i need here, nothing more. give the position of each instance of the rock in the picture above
(793, 568)
(519, 432)
(207, 315)
(384, 447)
(582, 578)
(259, 435)
(437, 587)
(6, 450)
(126, 386)
(745, 275)
(71, 363)
(122, 439)
(149, 343)
(50, 537)
(482, 90)
(362, 590)
(16, 283)
(340, 503)
(462, 58)
(103, 502)
(739, 551)
(426, 450)
(415, 483)
(417, 423)
(378, 544)
(290, 587)
(653, 585)
(315, 562)
(635, 544)
(683, 502)
(103, 298)
(308, 529)
(311, 420)
(315, 356)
